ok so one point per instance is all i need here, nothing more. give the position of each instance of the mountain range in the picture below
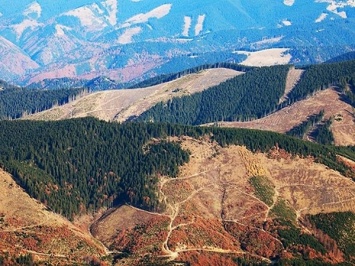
(134, 40)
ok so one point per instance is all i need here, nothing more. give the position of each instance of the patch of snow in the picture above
(170, 40)
(342, 14)
(33, 9)
(199, 25)
(268, 57)
(350, 3)
(158, 13)
(127, 36)
(135, 1)
(287, 22)
(87, 16)
(268, 41)
(27, 23)
(321, 17)
(187, 25)
(334, 5)
(60, 29)
(289, 2)
(112, 7)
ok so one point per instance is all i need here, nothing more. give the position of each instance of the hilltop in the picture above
(120, 105)
(173, 193)
(274, 98)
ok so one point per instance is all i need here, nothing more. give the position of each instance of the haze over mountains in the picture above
(136, 39)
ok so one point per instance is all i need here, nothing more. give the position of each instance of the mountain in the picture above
(119, 105)
(275, 98)
(31, 233)
(134, 40)
(172, 194)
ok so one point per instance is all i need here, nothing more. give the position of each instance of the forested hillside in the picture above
(79, 165)
(251, 95)
(322, 76)
(16, 102)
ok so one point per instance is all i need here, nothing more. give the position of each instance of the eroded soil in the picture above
(212, 209)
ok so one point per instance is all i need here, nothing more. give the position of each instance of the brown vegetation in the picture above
(27, 227)
(119, 105)
(212, 211)
(343, 127)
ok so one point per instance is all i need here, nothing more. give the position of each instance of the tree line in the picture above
(16, 102)
(252, 95)
(77, 166)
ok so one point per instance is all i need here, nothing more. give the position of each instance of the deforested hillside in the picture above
(172, 190)
(231, 206)
(75, 166)
(31, 233)
(251, 96)
(120, 105)
(330, 101)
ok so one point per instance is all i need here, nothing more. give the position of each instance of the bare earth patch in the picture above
(293, 77)
(119, 105)
(212, 208)
(27, 227)
(343, 127)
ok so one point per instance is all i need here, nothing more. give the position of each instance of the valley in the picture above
(183, 190)
(177, 133)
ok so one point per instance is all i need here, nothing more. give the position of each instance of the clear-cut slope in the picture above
(28, 227)
(343, 128)
(120, 105)
(213, 212)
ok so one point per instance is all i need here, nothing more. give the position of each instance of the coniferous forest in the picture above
(252, 95)
(77, 166)
(16, 102)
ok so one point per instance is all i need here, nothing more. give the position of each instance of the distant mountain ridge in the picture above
(137, 39)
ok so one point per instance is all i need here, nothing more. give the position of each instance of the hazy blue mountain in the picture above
(127, 40)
